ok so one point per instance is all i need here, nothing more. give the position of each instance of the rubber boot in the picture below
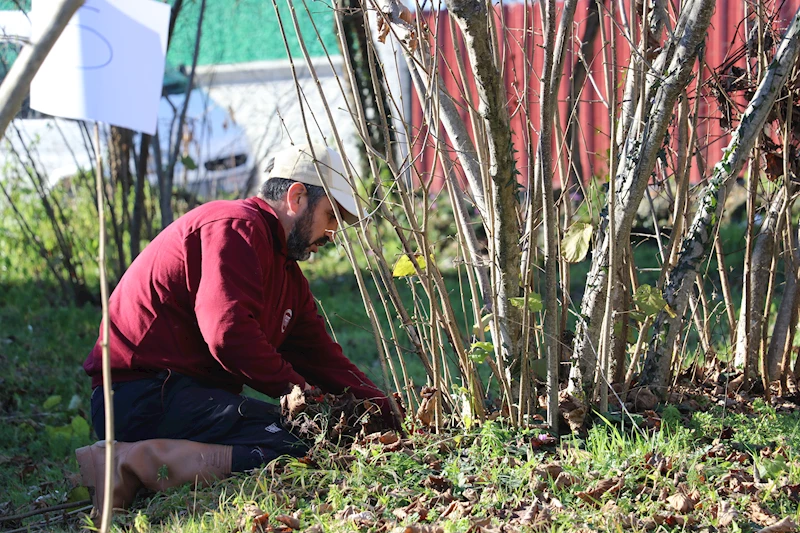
(156, 464)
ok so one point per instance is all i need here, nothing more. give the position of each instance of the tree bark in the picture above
(472, 17)
(119, 157)
(637, 162)
(700, 235)
(780, 342)
(763, 251)
(17, 83)
(137, 215)
(370, 88)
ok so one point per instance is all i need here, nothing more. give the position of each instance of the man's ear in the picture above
(295, 198)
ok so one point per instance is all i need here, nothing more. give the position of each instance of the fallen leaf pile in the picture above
(315, 416)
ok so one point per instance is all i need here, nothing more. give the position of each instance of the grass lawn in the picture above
(695, 469)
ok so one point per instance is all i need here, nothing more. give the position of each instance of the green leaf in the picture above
(649, 300)
(189, 163)
(404, 267)
(575, 244)
(78, 494)
(80, 427)
(534, 302)
(51, 402)
(479, 351)
(772, 468)
(54, 432)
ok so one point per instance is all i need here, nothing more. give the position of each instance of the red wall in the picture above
(522, 60)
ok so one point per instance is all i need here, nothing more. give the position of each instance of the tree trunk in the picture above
(700, 235)
(637, 162)
(780, 342)
(763, 251)
(138, 215)
(119, 157)
(472, 17)
(16, 85)
(370, 88)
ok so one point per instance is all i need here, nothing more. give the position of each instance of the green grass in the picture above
(44, 393)
(492, 476)
(456, 480)
(492, 473)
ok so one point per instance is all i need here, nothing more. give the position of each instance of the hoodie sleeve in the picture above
(314, 354)
(229, 302)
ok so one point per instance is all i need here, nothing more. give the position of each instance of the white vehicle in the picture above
(214, 155)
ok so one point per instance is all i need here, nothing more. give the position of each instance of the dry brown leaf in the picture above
(261, 523)
(471, 495)
(413, 42)
(457, 509)
(726, 514)
(682, 502)
(564, 480)
(529, 514)
(658, 462)
(631, 521)
(427, 409)
(573, 411)
(390, 437)
(248, 511)
(792, 492)
(649, 524)
(443, 498)
(451, 508)
(323, 508)
(290, 521)
(671, 520)
(643, 399)
(736, 383)
(383, 30)
(593, 496)
(785, 525)
(437, 482)
(417, 507)
(405, 15)
(551, 470)
(316, 528)
(418, 528)
(538, 486)
(759, 514)
(294, 403)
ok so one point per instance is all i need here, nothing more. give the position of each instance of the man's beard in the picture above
(298, 242)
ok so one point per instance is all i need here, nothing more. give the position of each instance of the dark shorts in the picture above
(174, 406)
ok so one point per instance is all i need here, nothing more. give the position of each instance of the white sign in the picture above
(107, 65)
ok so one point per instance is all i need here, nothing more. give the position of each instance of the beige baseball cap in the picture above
(297, 163)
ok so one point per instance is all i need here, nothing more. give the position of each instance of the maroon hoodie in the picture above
(215, 297)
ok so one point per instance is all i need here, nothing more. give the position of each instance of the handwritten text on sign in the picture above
(107, 65)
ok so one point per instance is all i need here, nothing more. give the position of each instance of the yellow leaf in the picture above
(485, 325)
(404, 267)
